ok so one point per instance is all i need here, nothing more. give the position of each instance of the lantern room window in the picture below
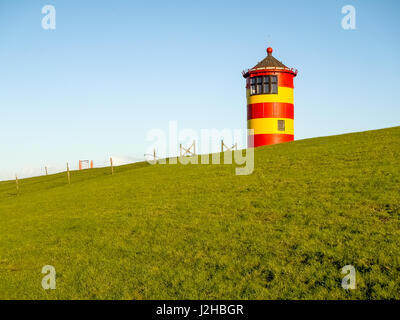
(252, 86)
(259, 82)
(264, 85)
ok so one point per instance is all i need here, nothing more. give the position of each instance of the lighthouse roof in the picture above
(269, 62)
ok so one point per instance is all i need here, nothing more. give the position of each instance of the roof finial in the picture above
(269, 51)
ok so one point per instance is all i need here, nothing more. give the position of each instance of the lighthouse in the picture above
(270, 103)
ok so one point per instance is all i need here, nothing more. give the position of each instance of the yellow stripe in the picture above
(270, 125)
(284, 95)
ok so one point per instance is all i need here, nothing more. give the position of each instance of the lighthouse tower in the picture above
(270, 108)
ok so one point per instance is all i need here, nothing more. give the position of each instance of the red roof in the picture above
(269, 62)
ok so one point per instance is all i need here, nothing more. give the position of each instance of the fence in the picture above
(72, 165)
(102, 163)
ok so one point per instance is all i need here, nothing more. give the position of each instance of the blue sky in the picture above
(113, 70)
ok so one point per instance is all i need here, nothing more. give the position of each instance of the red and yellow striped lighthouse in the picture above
(270, 107)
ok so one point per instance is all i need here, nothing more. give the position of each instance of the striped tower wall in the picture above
(264, 110)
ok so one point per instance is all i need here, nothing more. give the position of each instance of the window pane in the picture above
(266, 79)
(252, 80)
(274, 88)
(259, 80)
(274, 79)
(259, 89)
(266, 88)
(253, 89)
(281, 125)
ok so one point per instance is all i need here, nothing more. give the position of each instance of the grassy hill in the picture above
(200, 231)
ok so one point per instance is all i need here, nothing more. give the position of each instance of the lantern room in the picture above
(270, 103)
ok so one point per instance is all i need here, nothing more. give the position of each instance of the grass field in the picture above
(201, 232)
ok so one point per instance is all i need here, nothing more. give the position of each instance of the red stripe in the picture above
(270, 110)
(285, 79)
(267, 139)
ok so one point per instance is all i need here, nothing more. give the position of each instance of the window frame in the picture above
(267, 81)
(273, 83)
(253, 86)
(280, 126)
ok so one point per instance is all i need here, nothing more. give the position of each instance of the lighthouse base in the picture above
(259, 140)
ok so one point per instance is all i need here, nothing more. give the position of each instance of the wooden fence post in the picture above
(227, 148)
(17, 183)
(68, 175)
(112, 167)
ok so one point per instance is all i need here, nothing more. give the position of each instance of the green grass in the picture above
(201, 232)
